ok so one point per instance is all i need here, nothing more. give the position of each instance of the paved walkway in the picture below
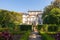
(35, 35)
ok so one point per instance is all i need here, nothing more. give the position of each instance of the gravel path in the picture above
(35, 36)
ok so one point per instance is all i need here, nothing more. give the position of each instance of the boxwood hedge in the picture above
(53, 28)
(25, 27)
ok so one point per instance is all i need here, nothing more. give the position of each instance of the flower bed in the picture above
(5, 36)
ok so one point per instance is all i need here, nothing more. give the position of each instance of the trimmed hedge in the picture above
(58, 27)
(3, 29)
(39, 27)
(53, 28)
(49, 27)
(25, 27)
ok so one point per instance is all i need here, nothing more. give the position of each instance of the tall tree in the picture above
(53, 17)
(55, 4)
(8, 18)
(49, 15)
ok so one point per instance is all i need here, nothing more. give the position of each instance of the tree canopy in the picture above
(53, 17)
(51, 13)
(47, 9)
(9, 18)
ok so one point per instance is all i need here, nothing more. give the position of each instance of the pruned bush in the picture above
(58, 27)
(25, 27)
(39, 27)
(3, 29)
(53, 28)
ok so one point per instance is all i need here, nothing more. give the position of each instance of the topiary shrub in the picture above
(58, 27)
(25, 27)
(53, 28)
(39, 27)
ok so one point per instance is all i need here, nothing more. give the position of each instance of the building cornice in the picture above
(35, 11)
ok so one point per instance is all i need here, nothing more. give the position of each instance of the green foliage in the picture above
(47, 10)
(11, 30)
(53, 17)
(14, 30)
(46, 37)
(56, 12)
(56, 3)
(43, 27)
(58, 27)
(53, 28)
(2, 29)
(48, 27)
(25, 27)
(39, 27)
(9, 19)
(51, 13)
(25, 35)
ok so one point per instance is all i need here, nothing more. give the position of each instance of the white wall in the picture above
(31, 17)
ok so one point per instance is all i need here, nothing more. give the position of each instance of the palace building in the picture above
(32, 17)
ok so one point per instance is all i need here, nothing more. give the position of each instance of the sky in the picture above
(24, 5)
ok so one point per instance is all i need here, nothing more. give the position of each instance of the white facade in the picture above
(32, 17)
